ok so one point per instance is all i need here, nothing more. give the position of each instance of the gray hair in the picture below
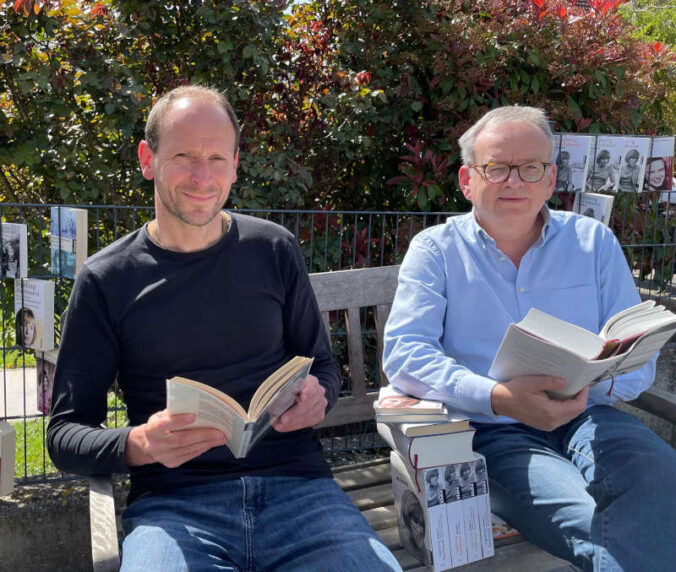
(506, 114)
(163, 104)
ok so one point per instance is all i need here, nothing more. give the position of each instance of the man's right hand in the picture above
(168, 439)
(525, 399)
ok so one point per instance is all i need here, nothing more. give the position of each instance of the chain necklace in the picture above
(152, 229)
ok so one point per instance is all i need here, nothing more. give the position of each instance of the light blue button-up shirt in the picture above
(458, 293)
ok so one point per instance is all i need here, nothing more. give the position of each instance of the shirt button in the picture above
(522, 289)
(501, 258)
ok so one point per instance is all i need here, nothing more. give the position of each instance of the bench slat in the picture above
(355, 352)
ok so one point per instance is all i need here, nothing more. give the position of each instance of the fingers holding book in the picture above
(169, 440)
(526, 399)
(309, 409)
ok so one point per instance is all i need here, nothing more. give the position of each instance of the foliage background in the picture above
(345, 104)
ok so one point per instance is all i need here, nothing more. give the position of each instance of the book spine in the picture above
(244, 447)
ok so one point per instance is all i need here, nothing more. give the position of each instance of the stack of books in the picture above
(440, 484)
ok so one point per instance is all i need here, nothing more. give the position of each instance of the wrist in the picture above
(135, 448)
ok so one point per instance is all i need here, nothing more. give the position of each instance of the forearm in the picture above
(85, 450)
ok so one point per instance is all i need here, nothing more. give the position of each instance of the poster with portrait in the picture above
(34, 313)
(594, 205)
(632, 167)
(659, 170)
(571, 155)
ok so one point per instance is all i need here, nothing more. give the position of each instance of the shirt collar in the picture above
(549, 228)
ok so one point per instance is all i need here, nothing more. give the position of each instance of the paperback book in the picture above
(243, 429)
(659, 170)
(443, 513)
(68, 240)
(13, 250)
(7, 448)
(393, 405)
(34, 311)
(572, 158)
(594, 205)
(428, 450)
(45, 366)
(541, 344)
(619, 164)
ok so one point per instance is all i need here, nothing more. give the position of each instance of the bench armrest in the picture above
(103, 525)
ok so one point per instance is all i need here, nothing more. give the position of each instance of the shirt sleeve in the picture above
(617, 292)
(86, 368)
(304, 327)
(413, 357)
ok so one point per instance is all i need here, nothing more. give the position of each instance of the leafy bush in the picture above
(351, 104)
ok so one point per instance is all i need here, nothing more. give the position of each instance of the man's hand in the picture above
(308, 410)
(525, 399)
(168, 439)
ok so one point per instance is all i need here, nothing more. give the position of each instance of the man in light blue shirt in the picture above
(581, 479)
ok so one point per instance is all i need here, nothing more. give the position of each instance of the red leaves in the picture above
(363, 77)
(99, 10)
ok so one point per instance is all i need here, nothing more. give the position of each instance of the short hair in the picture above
(603, 154)
(561, 156)
(506, 114)
(163, 104)
(632, 154)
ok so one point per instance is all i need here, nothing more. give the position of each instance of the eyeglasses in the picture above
(530, 172)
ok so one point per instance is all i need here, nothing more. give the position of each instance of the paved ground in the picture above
(18, 393)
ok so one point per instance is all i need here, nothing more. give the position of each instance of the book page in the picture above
(632, 326)
(620, 316)
(561, 333)
(209, 410)
(284, 398)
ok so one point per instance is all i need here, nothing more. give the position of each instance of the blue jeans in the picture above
(599, 491)
(252, 523)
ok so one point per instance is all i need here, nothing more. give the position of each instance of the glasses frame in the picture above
(482, 171)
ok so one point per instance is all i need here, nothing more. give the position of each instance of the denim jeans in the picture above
(599, 491)
(252, 523)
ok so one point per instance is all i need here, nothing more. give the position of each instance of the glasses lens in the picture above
(496, 172)
(531, 172)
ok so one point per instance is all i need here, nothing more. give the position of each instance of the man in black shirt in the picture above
(224, 299)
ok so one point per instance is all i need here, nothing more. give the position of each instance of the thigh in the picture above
(632, 476)
(537, 489)
(196, 528)
(311, 524)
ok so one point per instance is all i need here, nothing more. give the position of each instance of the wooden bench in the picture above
(368, 484)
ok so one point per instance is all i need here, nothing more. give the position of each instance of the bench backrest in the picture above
(349, 291)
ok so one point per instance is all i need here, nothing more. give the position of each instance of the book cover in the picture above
(632, 168)
(7, 452)
(428, 450)
(34, 312)
(68, 241)
(603, 171)
(571, 155)
(594, 205)
(13, 250)
(457, 423)
(541, 344)
(45, 366)
(659, 170)
(421, 514)
(391, 401)
(243, 429)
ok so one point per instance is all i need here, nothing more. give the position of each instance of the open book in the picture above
(541, 344)
(243, 429)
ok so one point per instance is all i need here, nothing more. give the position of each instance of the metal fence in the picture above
(329, 240)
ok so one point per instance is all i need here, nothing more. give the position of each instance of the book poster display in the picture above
(13, 250)
(659, 171)
(594, 205)
(619, 164)
(45, 366)
(34, 312)
(572, 155)
(68, 242)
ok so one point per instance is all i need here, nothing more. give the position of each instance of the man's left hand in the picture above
(308, 410)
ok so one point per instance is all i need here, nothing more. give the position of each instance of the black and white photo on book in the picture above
(572, 156)
(13, 250)
(594, 205)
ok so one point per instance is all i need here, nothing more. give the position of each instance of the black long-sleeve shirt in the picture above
(227, 316)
